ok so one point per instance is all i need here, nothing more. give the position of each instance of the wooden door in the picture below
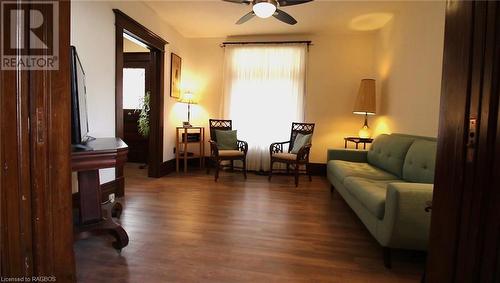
(138, 144)
(465, 227)
(36, 236)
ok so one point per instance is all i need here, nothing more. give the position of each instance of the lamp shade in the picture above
(366, 100)
(188, 97)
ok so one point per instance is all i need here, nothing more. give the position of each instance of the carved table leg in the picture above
(108, 225)
(115, 229)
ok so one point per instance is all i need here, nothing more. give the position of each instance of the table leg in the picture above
(107, 224)
(89, 189)
(203, 147)
(345, 143)
(185, 151)
(177, 150)
(357, 145)
(201, 151)
(92, 218)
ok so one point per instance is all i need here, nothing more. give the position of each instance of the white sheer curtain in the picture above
(264, 88)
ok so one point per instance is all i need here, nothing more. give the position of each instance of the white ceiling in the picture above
(215, 18)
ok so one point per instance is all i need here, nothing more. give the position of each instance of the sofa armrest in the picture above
(347, 155)
(406, 223)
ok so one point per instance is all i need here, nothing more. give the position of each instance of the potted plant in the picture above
(143, 122)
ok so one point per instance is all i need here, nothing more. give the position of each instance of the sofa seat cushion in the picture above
(342, 169)
(285, 156)
(371, 193)
(231, 153)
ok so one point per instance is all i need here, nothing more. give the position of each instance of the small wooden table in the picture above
(101, 153)
(357, 141)
(182, 138)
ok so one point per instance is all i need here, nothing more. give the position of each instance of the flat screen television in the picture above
(79, 119)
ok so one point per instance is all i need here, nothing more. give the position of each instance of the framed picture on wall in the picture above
(175, 76)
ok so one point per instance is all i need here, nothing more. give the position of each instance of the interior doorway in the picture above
(137, 81)
(151, 65)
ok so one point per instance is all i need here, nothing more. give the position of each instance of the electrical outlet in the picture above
(112, 197)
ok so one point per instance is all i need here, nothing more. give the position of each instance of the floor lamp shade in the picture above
(365, 104)
(366, 100)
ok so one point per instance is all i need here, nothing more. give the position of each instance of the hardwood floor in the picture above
(191, 229)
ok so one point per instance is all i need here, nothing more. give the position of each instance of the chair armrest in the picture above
(243, 146)
(214, 149)
(406, 224)
(347, 155)
(303, 153)
(277, 147)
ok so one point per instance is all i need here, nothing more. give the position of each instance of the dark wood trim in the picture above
(136, 57)
(16, 231)
(308, 42)
(138, 30)
(465, 224)
(167, 167)
(36, 217)
(317, 169)
(126, 24)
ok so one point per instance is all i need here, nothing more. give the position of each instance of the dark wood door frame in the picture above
(465, 226)
(125, 24)
(138, 151)
(36, 237)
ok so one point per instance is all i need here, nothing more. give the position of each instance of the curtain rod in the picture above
(308, 42)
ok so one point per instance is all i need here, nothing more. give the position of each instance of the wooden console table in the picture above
(102, 153)
(181, 138)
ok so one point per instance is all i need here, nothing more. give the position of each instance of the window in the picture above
(263, 94)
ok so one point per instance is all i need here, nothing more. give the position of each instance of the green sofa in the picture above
(388, 187)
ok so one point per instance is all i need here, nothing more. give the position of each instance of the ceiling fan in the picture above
(267, 8)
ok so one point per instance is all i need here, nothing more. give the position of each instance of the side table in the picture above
(184, 137)
(357, 141)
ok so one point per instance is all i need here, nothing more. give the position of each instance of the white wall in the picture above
(405, 57)
(409, 65)
(336, 64)
(93, 34)
(97, 54)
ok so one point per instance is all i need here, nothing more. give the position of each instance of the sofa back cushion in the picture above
(420, 162)
(388, 152)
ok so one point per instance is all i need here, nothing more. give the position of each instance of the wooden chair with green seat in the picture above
(227, 147)
(297, 154)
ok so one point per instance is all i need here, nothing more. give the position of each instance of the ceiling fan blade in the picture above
(284, 3)
(246, 2)
(246, 18)
(284, 17)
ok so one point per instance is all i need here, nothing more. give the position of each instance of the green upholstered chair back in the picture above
(219, 125)
(388, 152)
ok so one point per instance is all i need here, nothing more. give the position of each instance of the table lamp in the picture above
(365, 104)
(188, 97)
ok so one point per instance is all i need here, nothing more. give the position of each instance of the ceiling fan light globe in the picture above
(264, 9)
